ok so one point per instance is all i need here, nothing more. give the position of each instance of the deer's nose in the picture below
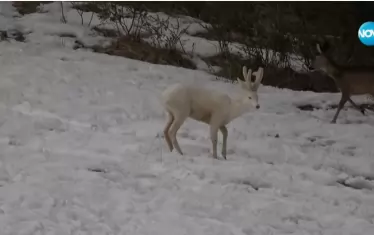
(257, 106)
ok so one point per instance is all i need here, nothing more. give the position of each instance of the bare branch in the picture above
(63, 19)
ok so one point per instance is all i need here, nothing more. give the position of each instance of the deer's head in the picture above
(250, 88)
(321, 61)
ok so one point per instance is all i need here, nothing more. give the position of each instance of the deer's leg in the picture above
(342, 102)
(214, 126)
(166, 130)
(177, 123)
(362, 110)
(223, 130)
(214, 138)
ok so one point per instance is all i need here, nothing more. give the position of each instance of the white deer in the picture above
(209, 106)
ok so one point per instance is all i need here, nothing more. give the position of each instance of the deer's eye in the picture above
(250, 98)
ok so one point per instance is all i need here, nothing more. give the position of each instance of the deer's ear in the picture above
(239, 81)
(318, 47)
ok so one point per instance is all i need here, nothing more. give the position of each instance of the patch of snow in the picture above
(82, 153)
(103, 112)
(7, 13)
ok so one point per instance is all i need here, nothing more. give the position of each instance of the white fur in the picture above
(209, 106)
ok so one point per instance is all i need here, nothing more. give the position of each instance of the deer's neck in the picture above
(239, 107)
(333, 69)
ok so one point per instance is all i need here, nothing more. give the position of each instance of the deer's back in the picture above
(358, 82)
(199, 102)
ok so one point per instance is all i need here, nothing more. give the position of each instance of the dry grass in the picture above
(231, 64)
(277, 77)
(143, 51)
(28, 7)
(110, 33)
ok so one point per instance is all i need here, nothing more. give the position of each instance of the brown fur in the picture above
(350, 81)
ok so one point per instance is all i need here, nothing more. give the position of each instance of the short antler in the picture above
(247, 76)
(259, 75)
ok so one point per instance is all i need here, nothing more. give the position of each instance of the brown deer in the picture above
(350, 81)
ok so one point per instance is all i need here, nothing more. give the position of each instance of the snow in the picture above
(82, 153)
(41, 29)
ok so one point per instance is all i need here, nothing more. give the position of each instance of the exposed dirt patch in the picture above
(277, 77)
(12, 34)
(110, 33)
(28, 7)
(307, 107)
(358, 183)
(143, 51)
(298, 81)
(98, 170)
(362, 106)
(67, 35)
(253, 183)
(311, 107)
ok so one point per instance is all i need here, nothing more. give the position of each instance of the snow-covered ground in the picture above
(45, 27)
(65, 114)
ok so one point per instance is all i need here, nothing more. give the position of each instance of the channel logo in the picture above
(366, 33)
